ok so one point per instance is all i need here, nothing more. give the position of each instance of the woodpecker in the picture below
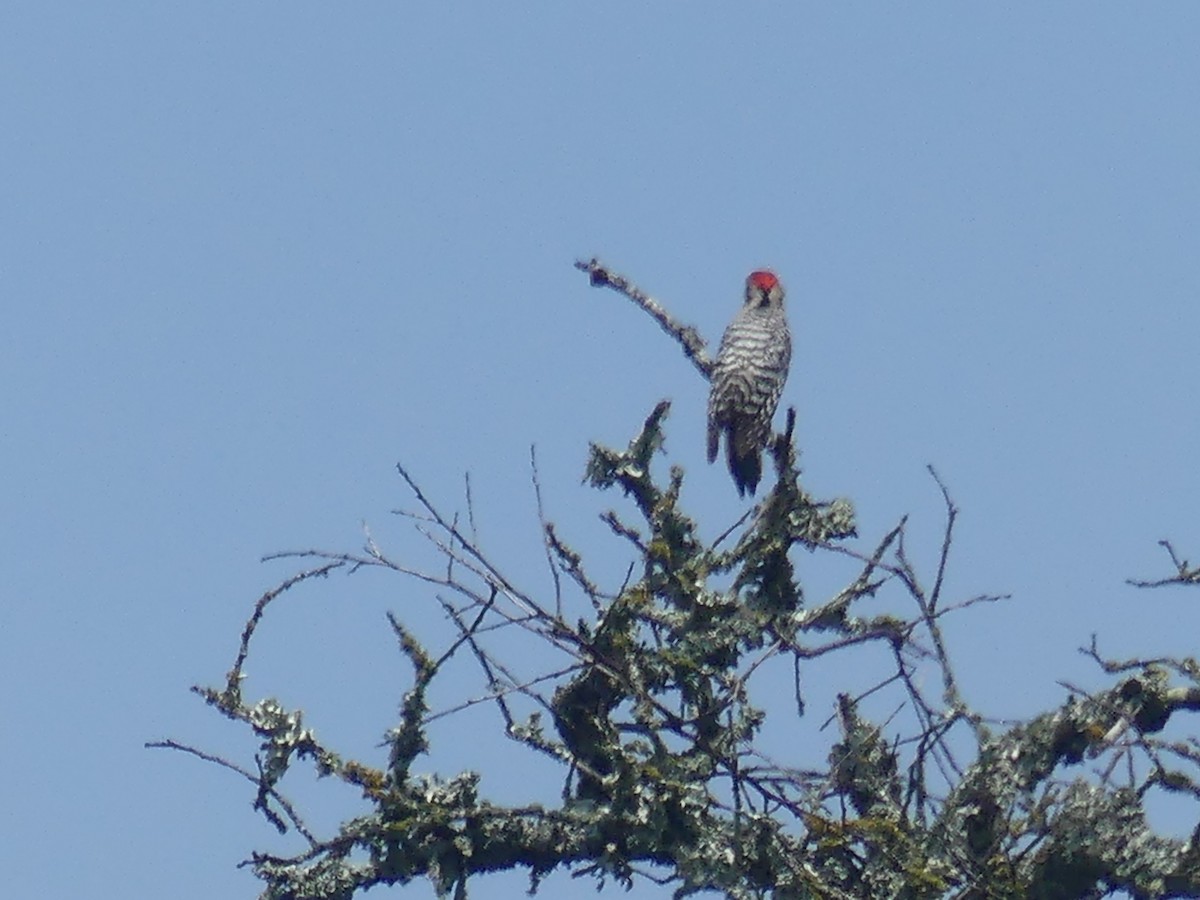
(748, 378)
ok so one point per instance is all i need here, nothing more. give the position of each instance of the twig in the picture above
(620, 529)
(732, 528)
(470, 507)
(573, 563)
(951, 515)
(547, 530)
(287, 807)
(234, 678)
(1184, 574)
(498, 691)
(688, 337)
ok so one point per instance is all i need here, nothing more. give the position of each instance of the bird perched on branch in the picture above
(747, 379)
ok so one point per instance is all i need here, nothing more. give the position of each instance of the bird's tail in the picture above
(746, 467)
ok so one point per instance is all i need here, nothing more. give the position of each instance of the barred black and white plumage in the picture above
(747, 380)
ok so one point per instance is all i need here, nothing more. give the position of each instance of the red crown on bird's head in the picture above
(763, 280)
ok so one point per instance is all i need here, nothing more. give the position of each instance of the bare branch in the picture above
(1184, 574)
(547, 531)
(688, 337)
(256, 780)
(233, 679)
(951, 515)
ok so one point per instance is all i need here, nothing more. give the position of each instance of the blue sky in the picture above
(252, 256)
